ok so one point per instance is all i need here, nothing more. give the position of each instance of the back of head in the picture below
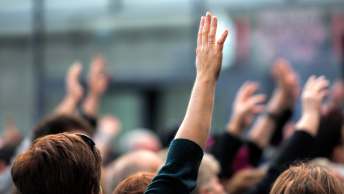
(136, 184)
(329, 134)
(130, 164)
(140, 139)
(57, 123)
(55, 164)
(244, 180)
(306, 179)
(209, 168)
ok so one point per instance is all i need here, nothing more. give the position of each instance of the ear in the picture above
(3, 166)
(338, 154)
(203, 190)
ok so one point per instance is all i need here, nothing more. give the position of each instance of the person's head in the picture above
(207, 180)
(61, 163)
(140, 139)
(135, 184)
(330, 138)
(6, 152)
(57, 123)
(244, 180)
(130, 164)
(306, 179)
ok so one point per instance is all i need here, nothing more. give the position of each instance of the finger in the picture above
(199, 40)
(257, 99)
(206, 29)
(324, 93)
(242, 89)
(221, 41)
(212, 33)
(309, 82)
(250, 89)
(74, 71)
(321, 85)
(98, 64)
(258, 109)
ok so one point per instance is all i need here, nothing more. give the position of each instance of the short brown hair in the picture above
(60, 123)
(55, 164)
(304, 179)
(135, 184)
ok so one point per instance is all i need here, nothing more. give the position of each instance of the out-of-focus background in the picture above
(150, 48)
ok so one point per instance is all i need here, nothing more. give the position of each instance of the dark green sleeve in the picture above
(179, 174)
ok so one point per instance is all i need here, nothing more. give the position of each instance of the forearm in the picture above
(262, 131)
(91, 104)
(67, 106)
(197, 121)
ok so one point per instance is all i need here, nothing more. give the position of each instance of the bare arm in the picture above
(284, 96)
(197, 121)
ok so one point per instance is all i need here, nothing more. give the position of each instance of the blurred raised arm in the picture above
(283, 98)
(245, 106)
(74, 90)
(98, 81)
(299, 146)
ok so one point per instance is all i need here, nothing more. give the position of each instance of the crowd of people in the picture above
(70, 150)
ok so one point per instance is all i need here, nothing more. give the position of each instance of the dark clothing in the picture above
(179, 174)
(298, 147)
(224, 150)
(282, 119)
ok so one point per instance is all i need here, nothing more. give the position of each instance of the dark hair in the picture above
(57, 123)
(329, 134)
(306, 179)
(6, 152)
(55, 164)
(136, 184)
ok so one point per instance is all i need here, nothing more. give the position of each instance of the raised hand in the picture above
(73, 86)
(209, 51)
(245, 106)
(197, 121)
(312, 96)
(287, 87)
(98, 79)
(74, 90)
(98, 82)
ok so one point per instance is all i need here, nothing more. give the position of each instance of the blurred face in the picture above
(213, 187)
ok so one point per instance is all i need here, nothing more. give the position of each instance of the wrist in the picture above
(309, 122)
(205, 78)
(94, 95)
(69, 99)
(234, 127)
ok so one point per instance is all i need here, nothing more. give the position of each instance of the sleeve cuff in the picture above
(185, 152)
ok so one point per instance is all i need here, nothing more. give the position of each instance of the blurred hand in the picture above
(75, 90)
(312, 96)
(12, 134)
(337, 95)
(245, 106)
(99, 77)
(287, 86)
(110, 125)
(209, 54)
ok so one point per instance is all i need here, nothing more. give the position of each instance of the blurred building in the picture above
(150, 47)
